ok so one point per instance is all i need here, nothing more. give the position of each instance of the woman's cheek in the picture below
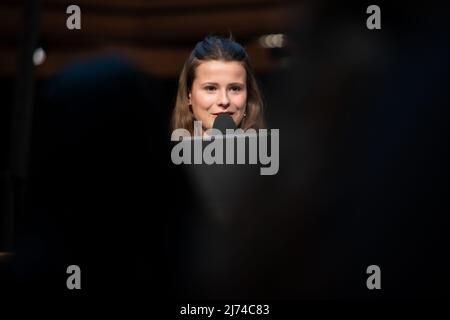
(242, 100)
(209, 101)
(204, 102)
(242, 103)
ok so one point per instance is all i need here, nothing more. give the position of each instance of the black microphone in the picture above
(223, 122)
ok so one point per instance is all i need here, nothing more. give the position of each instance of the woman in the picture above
(217, 78)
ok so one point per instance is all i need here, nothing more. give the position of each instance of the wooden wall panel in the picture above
(158, 34)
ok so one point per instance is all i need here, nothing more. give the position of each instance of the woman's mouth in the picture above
(219, 113)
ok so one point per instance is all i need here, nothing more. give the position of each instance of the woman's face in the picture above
(218, 87)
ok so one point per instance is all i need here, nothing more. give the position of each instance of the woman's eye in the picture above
(210, 88)
(236, 89)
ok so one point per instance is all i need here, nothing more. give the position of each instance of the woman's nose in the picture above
(224, 101)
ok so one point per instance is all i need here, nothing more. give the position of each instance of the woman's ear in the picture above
(189, 98)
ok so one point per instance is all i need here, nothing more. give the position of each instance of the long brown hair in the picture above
(222, 49)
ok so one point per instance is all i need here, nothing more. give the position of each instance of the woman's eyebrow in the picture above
(230, 84)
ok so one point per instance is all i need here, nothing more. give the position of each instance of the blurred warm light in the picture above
(272, 40)
(39, 56)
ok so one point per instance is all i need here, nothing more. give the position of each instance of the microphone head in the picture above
(224, 121)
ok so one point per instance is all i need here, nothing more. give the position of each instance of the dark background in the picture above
(363, 118)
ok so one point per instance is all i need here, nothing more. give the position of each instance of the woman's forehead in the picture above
(215, 70)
